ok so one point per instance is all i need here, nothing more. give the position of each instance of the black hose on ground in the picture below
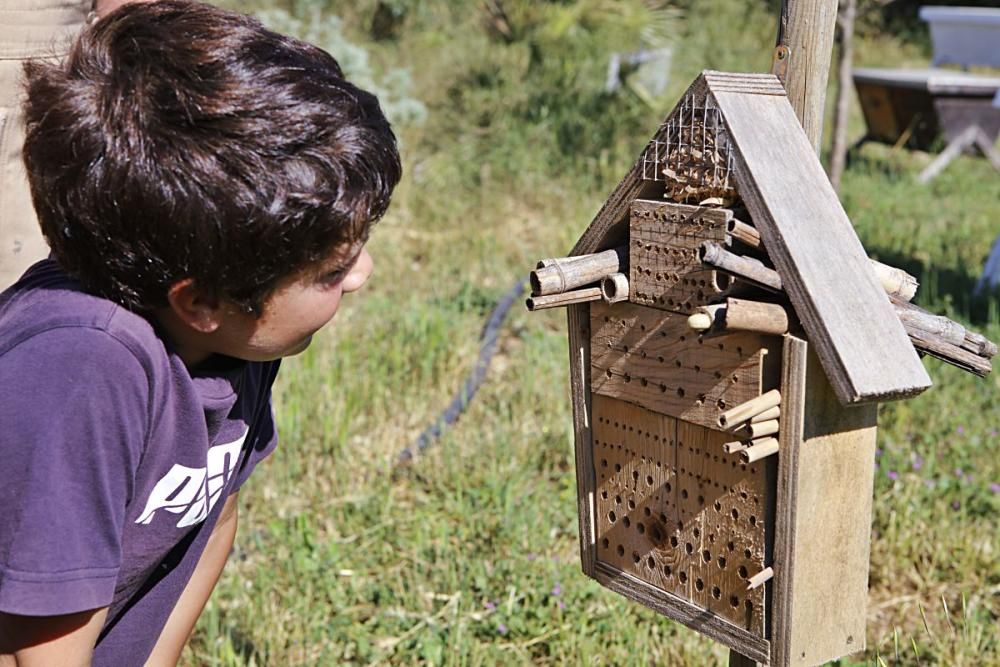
(491, 332)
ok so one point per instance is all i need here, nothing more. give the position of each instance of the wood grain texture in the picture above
(803, 225)
(651, 358)
(808, 31)
(680, 610)
(823, 522)
(664, 268)
(677, 512)
(578, 325)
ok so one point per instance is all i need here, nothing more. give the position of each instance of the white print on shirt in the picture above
(194, 491)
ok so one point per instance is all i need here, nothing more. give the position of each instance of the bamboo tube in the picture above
(759, 579)
(565, 299)
(896, 282)
(744, 233)
(564, 274)
(757, 316)
(748, 269)
(914, 317)
(735, 446)
(764, 448)
(758, 429)
(614, 288)
(979, 344)
(754, 406)
(767, 415)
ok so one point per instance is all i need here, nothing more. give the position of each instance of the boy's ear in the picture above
(193, 308)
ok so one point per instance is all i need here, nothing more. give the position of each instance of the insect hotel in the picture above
(730, 340)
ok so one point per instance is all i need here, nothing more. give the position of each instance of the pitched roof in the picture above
(738, 133)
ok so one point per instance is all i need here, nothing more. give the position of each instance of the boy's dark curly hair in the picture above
(182, 140)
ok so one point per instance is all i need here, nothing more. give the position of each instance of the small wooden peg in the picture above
(759, 579)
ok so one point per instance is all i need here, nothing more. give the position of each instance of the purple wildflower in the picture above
(490, 605)
(562, 605)
(955, 505)
(918, 462)
(892, 474)
(532, 557)
(994, 487)
(557, 590)
(878, 452)
(960, 430)
(502, 629)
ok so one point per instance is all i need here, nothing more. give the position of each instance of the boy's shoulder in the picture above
(46, 305)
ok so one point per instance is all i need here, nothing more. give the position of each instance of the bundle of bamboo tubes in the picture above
(754, 424)
(930, 334)
(561, 281)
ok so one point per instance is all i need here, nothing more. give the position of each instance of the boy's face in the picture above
(298, 308)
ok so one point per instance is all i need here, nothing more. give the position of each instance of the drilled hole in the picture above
(722, 562)
(716, 592)
(650, 563)
(605, 543)
(689, 548)
(649, 480)
(706, 556)
(673, 541)
(734, 601)
(641, 528)
(636, 557)
(753, 520)
(682, 575)
(626, 521)
(742, 571)
(620, 550)
(631, 504)
(612, 517)
(699, 585)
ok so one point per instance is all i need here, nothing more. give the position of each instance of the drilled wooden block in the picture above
(678, 513)
(664, 269)
(652, 358)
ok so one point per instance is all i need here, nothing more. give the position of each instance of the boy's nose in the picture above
(360, 272)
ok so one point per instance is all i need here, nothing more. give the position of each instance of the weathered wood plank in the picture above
(665, 271)
(803, 226)
(578, 325)
(652, 358)
(691, 615)
(823, 521)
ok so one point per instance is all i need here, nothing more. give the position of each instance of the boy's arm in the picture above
(185, 614)
(30, 641)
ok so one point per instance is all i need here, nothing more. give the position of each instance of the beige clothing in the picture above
(28, 29)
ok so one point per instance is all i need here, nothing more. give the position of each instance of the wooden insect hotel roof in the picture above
(737, 133)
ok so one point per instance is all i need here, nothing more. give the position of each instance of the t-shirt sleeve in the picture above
(263, 435)
(74, 406)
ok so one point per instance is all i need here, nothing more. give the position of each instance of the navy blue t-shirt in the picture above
(115, 459)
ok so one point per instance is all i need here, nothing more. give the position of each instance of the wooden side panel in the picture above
(823, 523)
(863, 347)
(578, 317)
(651, 358)
(676, 512)
(664, 269)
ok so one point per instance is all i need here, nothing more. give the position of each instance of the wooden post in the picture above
(807, 29)
(804, 47)
(838, 151)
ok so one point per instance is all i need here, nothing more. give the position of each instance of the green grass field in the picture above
(469, 555)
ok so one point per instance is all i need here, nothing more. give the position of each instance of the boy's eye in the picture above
(333, 278)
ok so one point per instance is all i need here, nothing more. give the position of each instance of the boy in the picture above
(206, 187)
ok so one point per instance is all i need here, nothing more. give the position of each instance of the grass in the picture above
(469, 555)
